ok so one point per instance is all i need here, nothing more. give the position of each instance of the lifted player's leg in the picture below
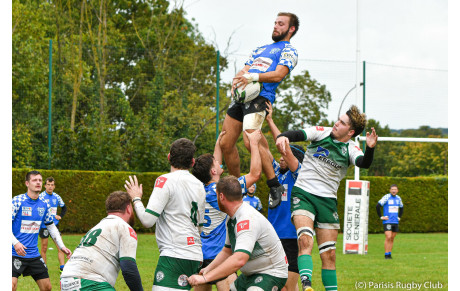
(232, 128)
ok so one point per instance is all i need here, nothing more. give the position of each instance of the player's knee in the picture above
(14, 284)
(327, 252)
(305, 238)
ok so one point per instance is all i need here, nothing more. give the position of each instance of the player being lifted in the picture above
(208, 170)
(105, 249)
(314, 196)
(177, 207)
(268, 64)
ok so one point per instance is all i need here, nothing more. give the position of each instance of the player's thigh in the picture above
(232, 128)
(44, 284)
(388, 233)
(14, 283)
(203, 287)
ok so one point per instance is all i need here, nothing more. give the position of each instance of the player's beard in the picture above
(131, 220)
(281, 36)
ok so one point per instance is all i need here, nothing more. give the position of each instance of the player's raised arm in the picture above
(256, 164)
(134, 189)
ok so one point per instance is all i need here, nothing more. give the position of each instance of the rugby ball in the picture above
(249, 93)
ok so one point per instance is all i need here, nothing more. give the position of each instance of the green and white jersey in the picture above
(100, 251)
(250, 232)
(178, 200)
(326, 162)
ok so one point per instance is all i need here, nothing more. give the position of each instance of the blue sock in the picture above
(389, 253)
(61, 267)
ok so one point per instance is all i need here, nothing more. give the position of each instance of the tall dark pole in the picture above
(217, 94)
(50, 89)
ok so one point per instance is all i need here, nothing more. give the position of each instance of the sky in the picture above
(404, 44)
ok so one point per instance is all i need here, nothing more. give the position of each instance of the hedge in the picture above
(84, 192)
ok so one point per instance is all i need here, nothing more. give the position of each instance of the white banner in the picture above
(356, 217)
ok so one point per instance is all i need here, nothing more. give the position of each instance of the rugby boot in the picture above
(274, 198)
(306, 284)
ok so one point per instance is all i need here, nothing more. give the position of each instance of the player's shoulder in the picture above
(318, 132)
(386, 196)
(42, 200)
(19, 198)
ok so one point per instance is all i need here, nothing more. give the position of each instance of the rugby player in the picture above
(314, 196)
(54, 200)
(251, 246)
(268, 64)
(177, 206)
(208, 169)
(108, 247)
(287, 171)
(29, 212)
(392, 212)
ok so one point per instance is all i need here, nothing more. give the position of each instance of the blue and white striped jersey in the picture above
(266, 58)
(54, 200)
(28, 215)
(391, 205)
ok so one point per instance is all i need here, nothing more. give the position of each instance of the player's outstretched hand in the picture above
(133, 188)
(196, 280)
(67, 252)
(255, 136)
(20, 249)
(282, 143)
(221, 134)
(371, 138)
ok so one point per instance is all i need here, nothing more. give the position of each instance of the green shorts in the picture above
(76, 284)
(173, 272)
(322, 210)
(263, 281)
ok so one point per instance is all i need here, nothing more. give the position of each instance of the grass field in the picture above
(417, 259)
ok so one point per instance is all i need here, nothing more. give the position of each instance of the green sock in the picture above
(305, 266)
(329, 279)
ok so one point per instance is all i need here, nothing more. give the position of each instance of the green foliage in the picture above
(21, 146)
(84, 192)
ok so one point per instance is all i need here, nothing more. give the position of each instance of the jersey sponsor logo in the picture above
(30, 226)
(262, 64)
(284, 196)
(26, 211)
(274, 51)
(41, 211)
(54, 201)
(296, 200)
(132, 233)
(344, 150)
(321, 152)
(160, 182)
(70, 284)
(258, 279)
(259, 51)
(393, 209)
(190, 240)
(53, 210)
(160, 276)
(390, 201)
(243, 225)
(182, 280)
(358, 148)
(320, 128)
(275, 288)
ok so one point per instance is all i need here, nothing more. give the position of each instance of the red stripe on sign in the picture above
(354, 184)
(351, 247)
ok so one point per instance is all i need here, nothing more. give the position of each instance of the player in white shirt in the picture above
(177, 206)
(314, 195)
(252, 246)
(108, 247)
